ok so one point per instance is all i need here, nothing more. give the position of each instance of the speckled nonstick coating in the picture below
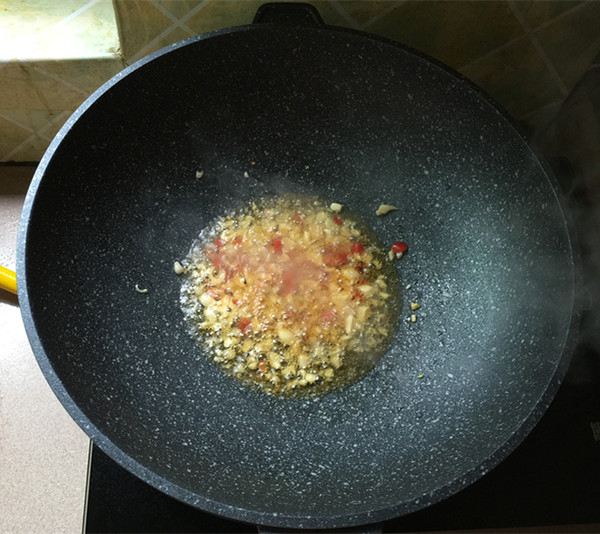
(356, 120)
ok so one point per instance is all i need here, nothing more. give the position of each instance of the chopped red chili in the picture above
(337, 220)
(357, 248)
(399, 247)
(334, 258)
(219, 242)
(244, 324)
(278, 245)
(329, 316)
(357, 295)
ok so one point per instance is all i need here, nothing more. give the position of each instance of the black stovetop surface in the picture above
(552, 478)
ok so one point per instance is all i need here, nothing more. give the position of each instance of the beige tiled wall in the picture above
(527, 54)
(53, 55)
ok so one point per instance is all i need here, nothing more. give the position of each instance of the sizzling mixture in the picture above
(291, 296)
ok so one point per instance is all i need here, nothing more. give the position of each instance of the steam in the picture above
(571, 142)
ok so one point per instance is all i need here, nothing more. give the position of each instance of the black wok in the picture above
(356, 120)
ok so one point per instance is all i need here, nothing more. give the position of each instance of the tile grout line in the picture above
(58, 79)
(492, 52)
(345, 15)
(515, 39)
(62, 21)
(16, 149)
(564, 14)
(529, 114)
(74, 14)
(17, 123)
(170, 15)
(143, 51)
(539, 48)
(35, 134)
(383, 13)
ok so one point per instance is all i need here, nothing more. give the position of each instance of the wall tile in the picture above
(216, 15)
(11, 136)
(572, 41)
(455, 33)
(516, 77)
(173, 36)
(32, 149)
(53, 85)
(40, 96)
(364, 12)
(538, 12)
(22, 86)
(82, 75)
(40, 29)
(179, 8)
(33, 120)
(139, 23)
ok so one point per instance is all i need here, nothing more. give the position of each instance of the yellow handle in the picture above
(8, 280)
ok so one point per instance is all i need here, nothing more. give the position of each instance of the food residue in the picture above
(289, 300)
(385, 208)
(178, 268)
(140, 290)
(199, 174)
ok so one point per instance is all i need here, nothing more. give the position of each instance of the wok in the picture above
(353, 119)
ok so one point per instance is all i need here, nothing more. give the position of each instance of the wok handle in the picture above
(288, 14)
(8, 280)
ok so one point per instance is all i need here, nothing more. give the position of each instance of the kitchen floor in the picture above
(43, 453)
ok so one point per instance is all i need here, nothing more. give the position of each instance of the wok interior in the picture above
(489, 261)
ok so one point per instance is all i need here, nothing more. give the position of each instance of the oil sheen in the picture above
(290, 297)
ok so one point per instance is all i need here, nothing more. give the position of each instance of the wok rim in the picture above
(268, 518)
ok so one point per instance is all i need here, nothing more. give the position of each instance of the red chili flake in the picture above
(362, 281)
(337, 220)
(278, 245)
(262, 366)
(238, 241)
(219, 242)
(217, 261)
(357, 295)
(399, 247)
(333, 258)
(297, 218)
(236, 302)
(289, 281)
(244, 324)
(230, 272)
(357, 248)
(328, 316)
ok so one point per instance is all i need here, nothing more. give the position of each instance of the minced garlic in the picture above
(285, 297)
